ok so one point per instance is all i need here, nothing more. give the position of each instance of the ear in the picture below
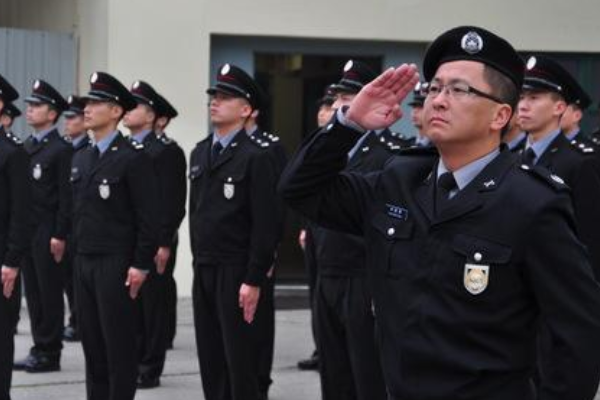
(501, 117)
(578, 114)
(116, 111)
(560, 107)
(246, 110)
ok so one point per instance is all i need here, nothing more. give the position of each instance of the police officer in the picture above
(234, 230)
(10, 112)
(14, 234)
(416, 116)
(170, 175)
(349, 364)
(571, 118)
(115, 206)
(265, 318)
(50, 159)
(76, 133)
(548, 89)
(165, 113)
(458, 244)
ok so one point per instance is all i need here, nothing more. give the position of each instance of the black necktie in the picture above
(528, 156)
(95, 153)
(215, 151)
(445, 184)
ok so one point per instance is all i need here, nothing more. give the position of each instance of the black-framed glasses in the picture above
(456, 90)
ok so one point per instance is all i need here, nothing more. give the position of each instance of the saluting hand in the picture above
(9, 276)
(161, 258)
(57, 249)
(377, 105)
(135, 279)
(248, 300)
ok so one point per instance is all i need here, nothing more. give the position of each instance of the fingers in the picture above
(8, 284)
(383, 79)
(405, 79)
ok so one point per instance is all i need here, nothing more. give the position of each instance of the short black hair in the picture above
(503, 88)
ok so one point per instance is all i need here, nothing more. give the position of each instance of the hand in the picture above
(9, 276)
(302, 239)
(135, 279)
(160, 259)
(57, 249)
(377, 105)
(248, 300)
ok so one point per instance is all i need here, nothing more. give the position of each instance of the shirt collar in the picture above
(571, 135)
(75, 142)
(464, 175)
(103, 144)
(39, 136)
(141, 136)
(515, 142)
(225, 139)
(540, 146)
(250, 131)
(422, 140)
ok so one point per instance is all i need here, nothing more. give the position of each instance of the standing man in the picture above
(234, 229)
(416, 115)
(515, 138)
(14, 234)
(458, 244)
(50, 161)
(165, 113)
(115, 206)
(571, 118)
(75, 131)
(9, 113)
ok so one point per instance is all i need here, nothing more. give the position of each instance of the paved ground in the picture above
(181, 379)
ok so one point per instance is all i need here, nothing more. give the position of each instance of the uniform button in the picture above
(478, 256)
(391, 231)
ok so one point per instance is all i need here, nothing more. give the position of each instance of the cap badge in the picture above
(531, 63)
(94, 77)
(70, 100)
(136, 84)
(36, 84)
(472, 43)
(348, 66)
(225, 70)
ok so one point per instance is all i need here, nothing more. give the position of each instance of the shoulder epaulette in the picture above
(166, 140)
(262, 143)
(419, 151)
(135, 144)
(582, 147)
(272, 137)
(14, 138)
(548, 177)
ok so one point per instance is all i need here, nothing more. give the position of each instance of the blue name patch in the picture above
(397, 212)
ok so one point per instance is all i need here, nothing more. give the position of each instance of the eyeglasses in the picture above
(456, 90)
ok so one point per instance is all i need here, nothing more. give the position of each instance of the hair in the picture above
(503, 88)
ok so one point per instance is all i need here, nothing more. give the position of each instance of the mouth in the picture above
(437, 121)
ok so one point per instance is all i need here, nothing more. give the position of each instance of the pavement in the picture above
(181, 379)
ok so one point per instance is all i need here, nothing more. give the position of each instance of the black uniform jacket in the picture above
(49, 167)
(115, 202)
(170, 168)
(458, 296)
(15, 200)
(233, 207)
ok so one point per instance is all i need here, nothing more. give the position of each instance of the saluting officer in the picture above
(458, 245)
(15, 235)
(76, 133)
(50, 161)
(171, 182)
(234, 230)
(114, 223)
(178, 195)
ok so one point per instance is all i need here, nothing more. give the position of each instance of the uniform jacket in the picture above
(233, 207)
(15, 200)
(458, 296)
(49, 167)
(115, 202)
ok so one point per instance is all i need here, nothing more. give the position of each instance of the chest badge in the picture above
(229, 189)
(104, 189)
(37, 172)
(476, 278)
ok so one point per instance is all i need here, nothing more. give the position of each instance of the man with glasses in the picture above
(459, 252)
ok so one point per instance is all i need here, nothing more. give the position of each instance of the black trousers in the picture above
(226, 344)
(349, 363)
(152, 326)
(107, 325)
(310, 263)
(67, 268)
(265, 331)
(44, 293)
(171, 294)
(8, 321)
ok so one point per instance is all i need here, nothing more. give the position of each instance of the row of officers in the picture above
(448, 266)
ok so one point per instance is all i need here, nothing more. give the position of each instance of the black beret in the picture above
(418, 98)
(43, 93)
(144, 93)
(355, 76)
(473, 44)
(11, 110)
(234, 81)
(76, 106)
(8, 93)
(545, 74)
(165, 109)
(105, 87)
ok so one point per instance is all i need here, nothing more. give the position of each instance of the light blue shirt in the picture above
(75, 142)
(39, 136)
(513, 143)
(572, 135)
(422, 141)
(250, 131)
(541, 145)
(103, 144)
(140, 137)
(464, 175)
(225, 140)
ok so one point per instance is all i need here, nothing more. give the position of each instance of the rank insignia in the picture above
(476, 278)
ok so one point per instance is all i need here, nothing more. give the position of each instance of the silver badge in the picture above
(36, 84)
(228, 189)
(104, 189)
(348, 66)
(472, 43)
(531, 63)
(476, 278)
(94, 77)
(37, 172)
(136, 85)
(225, 70)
